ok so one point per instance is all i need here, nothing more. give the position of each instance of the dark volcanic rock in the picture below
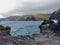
(55, 15)
(53, 24)
(5, 30)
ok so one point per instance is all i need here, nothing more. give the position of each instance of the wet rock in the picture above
(8, 30)
(1, 28)
(5, 30)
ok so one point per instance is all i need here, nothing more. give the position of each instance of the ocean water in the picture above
(22, 27)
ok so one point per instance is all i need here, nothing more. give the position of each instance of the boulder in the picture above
(1, 28)
(5, 30)
(43, 26)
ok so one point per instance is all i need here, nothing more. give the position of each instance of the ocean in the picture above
(22, 27)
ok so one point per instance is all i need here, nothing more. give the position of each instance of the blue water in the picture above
(22, 27)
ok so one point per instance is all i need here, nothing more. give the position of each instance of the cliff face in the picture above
(55, 15)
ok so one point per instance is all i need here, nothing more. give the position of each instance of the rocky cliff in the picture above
(53, 23)
(55, 15)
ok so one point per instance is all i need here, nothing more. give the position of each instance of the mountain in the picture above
(35, 17)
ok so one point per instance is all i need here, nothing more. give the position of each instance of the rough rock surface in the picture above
(40, 39)
(55, 15)
(5, 30)
(53, 23)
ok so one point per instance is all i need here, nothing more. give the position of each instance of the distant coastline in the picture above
(36, 17)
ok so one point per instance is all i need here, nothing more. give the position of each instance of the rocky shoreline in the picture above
(44, 38)
(37, 39)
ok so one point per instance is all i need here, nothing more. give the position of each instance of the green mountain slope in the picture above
(35, 17)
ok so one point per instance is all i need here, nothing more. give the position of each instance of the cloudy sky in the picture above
(28, 6)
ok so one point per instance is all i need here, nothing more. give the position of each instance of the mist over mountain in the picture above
(35, 17)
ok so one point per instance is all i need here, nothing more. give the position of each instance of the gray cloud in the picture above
(32, 7)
